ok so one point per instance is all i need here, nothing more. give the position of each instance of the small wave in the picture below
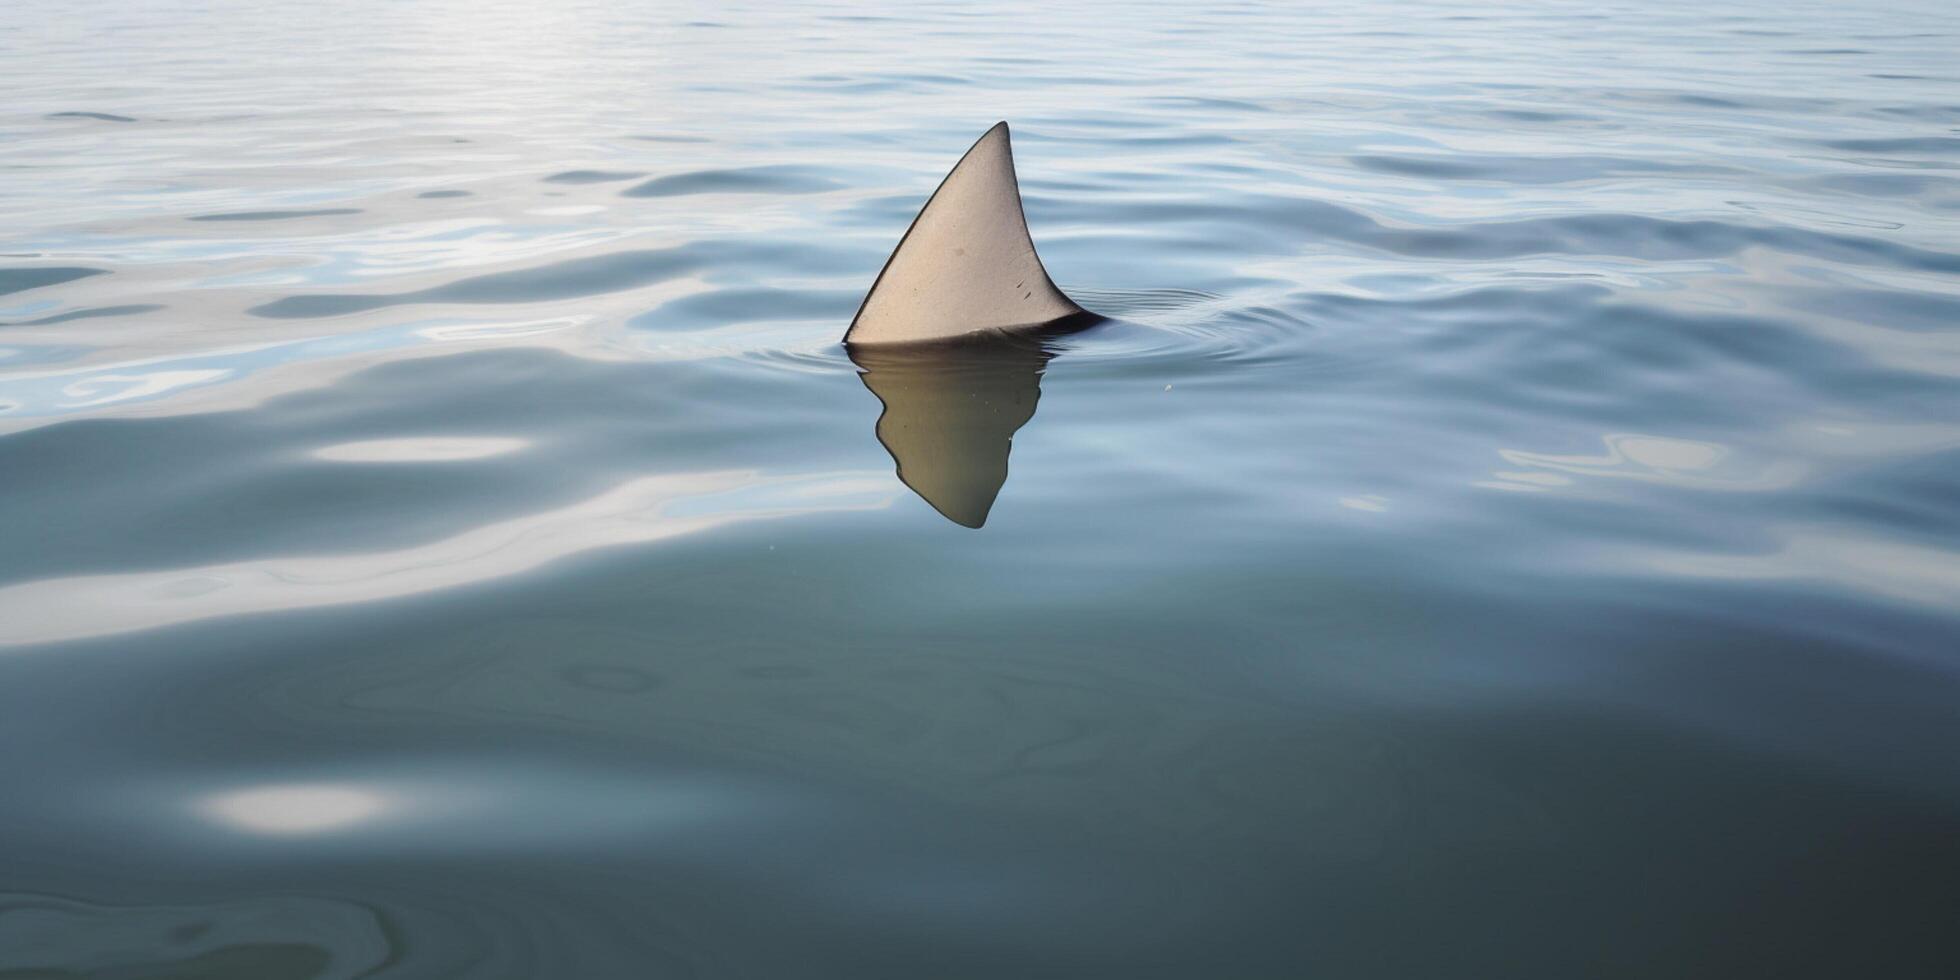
(569, 279)
(20, 280)
(272, 215)
(1210, 104)
(1930, 145)
(722, 307)
(102, 116)
(1526, 169)
(593, 176)
(746, 180)
(88, 314)
(1538, 116)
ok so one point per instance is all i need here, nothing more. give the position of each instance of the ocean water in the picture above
(1509, 527)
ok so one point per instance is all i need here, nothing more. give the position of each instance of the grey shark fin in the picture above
(966, 264)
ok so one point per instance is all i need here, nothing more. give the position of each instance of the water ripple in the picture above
(638, 512)
(16, 280)
(274, 215)
(746, 180)
(573, 278)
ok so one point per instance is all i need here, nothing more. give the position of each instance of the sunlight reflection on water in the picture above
(638, 512)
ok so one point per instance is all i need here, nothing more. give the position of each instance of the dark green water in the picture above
(1509, 529)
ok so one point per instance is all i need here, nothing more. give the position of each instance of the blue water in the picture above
(1508, 528)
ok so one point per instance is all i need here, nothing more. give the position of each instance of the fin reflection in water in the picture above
(951, 411)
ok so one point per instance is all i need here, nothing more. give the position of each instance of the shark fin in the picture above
(966, 264)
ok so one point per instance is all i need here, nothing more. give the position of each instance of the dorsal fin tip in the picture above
(967, 263)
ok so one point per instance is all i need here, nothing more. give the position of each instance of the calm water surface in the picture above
(1509, 531)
